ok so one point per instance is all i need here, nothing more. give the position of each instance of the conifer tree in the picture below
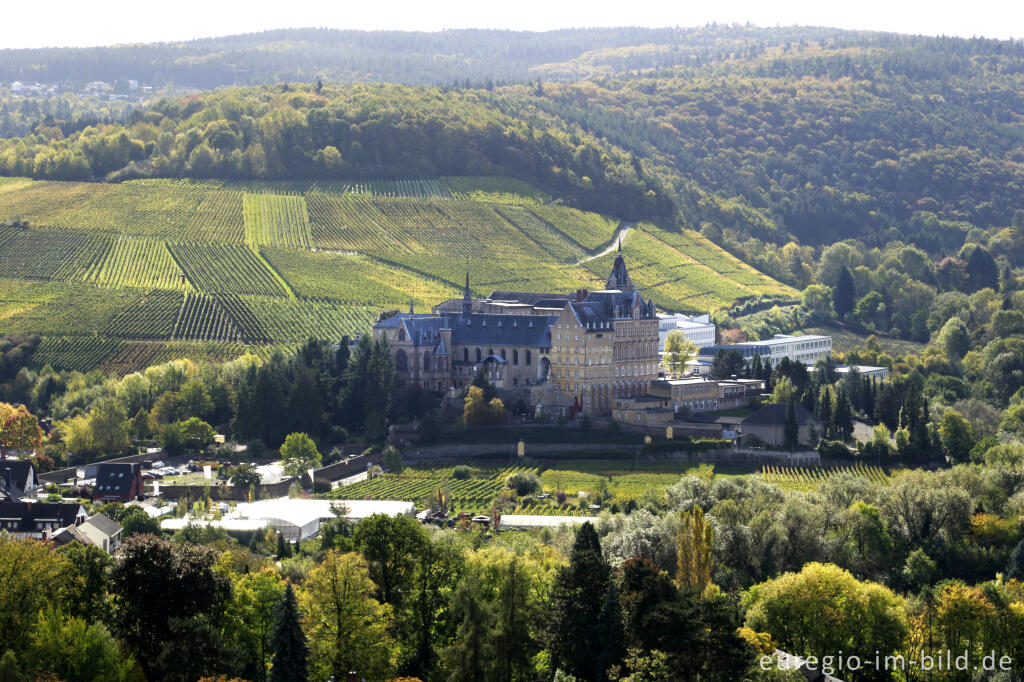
(611, 633)
(578, 598)
(791, 431)
(843, 296)
(843, 417)
(470, 657)
(289, 643)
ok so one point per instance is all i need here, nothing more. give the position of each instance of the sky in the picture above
(104, 22)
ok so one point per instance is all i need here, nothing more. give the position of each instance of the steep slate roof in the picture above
(619, 277)
(28, 514)
(115, 478)
(19, 471)
(530, 297)
(503, 330)
(775, 415)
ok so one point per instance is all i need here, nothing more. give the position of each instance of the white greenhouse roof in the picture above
(226, 524)
(303, 512)
(541, 521)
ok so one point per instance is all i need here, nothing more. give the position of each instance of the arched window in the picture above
(401, 361)
(515, 357)
(490, 351)
(478, 355)
(528, 358)
(503, 355)
(465, 355)
(426, 360)
(401, 333)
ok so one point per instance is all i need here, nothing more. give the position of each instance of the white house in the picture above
(102, 532)
(807, 349)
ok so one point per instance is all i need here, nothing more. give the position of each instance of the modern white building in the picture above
(297, 519)
(531, 522)
(700, 329)
(807, 349)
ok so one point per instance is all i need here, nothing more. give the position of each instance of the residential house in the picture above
(39, 520)
(102, 532)
(17, 477)
(118, 482)
(769, 424)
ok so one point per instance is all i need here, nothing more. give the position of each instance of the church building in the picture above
(562, 354)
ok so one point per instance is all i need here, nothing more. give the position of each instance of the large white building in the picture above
(295, 519)
(700, 329)
(806, 349)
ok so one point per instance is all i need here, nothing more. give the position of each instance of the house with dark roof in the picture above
(17, 477)
(102, 532)
(118, 482)
(39, 520)
(769, 424)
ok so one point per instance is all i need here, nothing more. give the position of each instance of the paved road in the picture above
(620, 237)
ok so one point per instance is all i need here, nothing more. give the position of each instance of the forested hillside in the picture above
(772, 135)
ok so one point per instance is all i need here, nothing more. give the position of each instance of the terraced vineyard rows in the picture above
(203, 318)
(227, 268)
(51, 254)
(355, 279)
(218, 218)
(77, 353)
(289, 321)
(276, 220)
(152, 208)
(707, 253)
(474, 495)
(812, 477)
(151, 317)
(495, 190)
(223, 263)
(135, 262)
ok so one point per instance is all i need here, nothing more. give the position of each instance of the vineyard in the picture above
(474, 495)
(811, 477)
(145, 268)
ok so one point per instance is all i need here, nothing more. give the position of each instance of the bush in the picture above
(321, 485)
(833, 449)
(461, 472)
(393, 460)
(523, 483)
(256, 448)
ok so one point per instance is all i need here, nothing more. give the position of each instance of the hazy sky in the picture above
(103, 22)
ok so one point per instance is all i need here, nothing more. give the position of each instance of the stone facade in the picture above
(572, 353)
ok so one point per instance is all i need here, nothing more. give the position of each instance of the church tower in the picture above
(619, 279)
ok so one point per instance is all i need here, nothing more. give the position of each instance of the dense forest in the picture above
(760, 137)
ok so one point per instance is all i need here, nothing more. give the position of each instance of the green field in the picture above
(616, 481)
(117, 275)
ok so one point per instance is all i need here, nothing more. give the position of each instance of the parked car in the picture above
(159, 464)
(148, 476)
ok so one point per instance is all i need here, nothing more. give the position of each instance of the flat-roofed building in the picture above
(807, 349)
(700, 329)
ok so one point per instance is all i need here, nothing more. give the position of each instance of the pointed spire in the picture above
(467, 299)
(620, 242)
(412, 306)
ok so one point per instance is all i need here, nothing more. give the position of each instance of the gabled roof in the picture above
(115, 478)
(775, 415)
(20, 471)
(103, 524)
